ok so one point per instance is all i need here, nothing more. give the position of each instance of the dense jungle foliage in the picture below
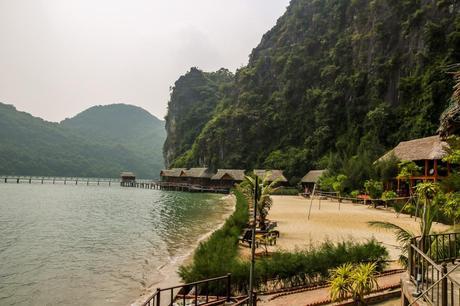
(101, 142)
(194, 98)
(333, 84)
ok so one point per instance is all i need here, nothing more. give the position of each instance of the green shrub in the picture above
(217, 255)
(374, 188)
(286, 191)
(389, 197)
(354, 193)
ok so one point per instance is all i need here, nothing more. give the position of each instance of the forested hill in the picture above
(99, 142)
(193, 101)
(333, 84)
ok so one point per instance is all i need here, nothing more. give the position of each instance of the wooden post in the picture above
(435, 169)
(17, 180)
(30, 180)
(444, 285)
(311, 200)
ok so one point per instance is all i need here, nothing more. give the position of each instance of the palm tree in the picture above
(355, 281)
(264, 201)
(425, 193)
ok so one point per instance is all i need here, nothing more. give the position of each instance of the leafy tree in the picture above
(387, 169)
(374, 189)
(451, 207)
(407, 169)
(339, 184)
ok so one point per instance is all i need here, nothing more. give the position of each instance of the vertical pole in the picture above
(229, 286)
(444, 285)
(158, 296)
(311, 201)
(410, 261)
(253, 243)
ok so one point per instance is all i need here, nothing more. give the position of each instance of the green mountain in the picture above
(193, 102)
(333, 84)
(102, 141)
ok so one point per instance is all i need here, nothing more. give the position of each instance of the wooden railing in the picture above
(197, 293)
(432, 263)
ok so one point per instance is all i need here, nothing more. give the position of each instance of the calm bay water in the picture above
(90, 245)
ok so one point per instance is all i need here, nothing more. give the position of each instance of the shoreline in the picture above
(169, 270)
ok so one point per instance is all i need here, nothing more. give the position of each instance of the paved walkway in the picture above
(318, 295)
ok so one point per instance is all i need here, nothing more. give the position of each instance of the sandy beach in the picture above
(169, 271)
(328, 222)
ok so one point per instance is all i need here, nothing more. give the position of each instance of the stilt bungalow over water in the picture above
(427, 153)
(127, 178)
(310, 179)
(272, 175)
(198, 176)
(174, 175)
(227, 178)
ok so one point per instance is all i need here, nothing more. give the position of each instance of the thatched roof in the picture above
(229, 174)
(198, 173)
(174, 172)
(127, 174)
(450, 119)
(273, 175)
(312, 176)
(430, 148)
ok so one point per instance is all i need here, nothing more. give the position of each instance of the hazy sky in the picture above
(59, 57)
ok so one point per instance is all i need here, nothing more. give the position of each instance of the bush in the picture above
(354, 193)
(217, 255)
(286, 191)
(309, 266)
(374, 188)
(388, 196)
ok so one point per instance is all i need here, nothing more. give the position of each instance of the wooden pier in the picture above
(138, 183)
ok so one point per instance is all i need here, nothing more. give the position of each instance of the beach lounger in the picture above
(247, 237)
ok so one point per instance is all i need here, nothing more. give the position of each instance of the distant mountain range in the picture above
(101, 141)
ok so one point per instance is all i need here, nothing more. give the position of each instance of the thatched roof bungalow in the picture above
(227, 178)
(174, 175)
(198, 176)
(311, 178)
(127, 176)
(272, 175)
(428, 148)
(427, 153)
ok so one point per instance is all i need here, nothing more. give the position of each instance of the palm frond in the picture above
(403, 236)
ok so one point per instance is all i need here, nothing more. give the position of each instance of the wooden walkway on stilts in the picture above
(138, 183)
